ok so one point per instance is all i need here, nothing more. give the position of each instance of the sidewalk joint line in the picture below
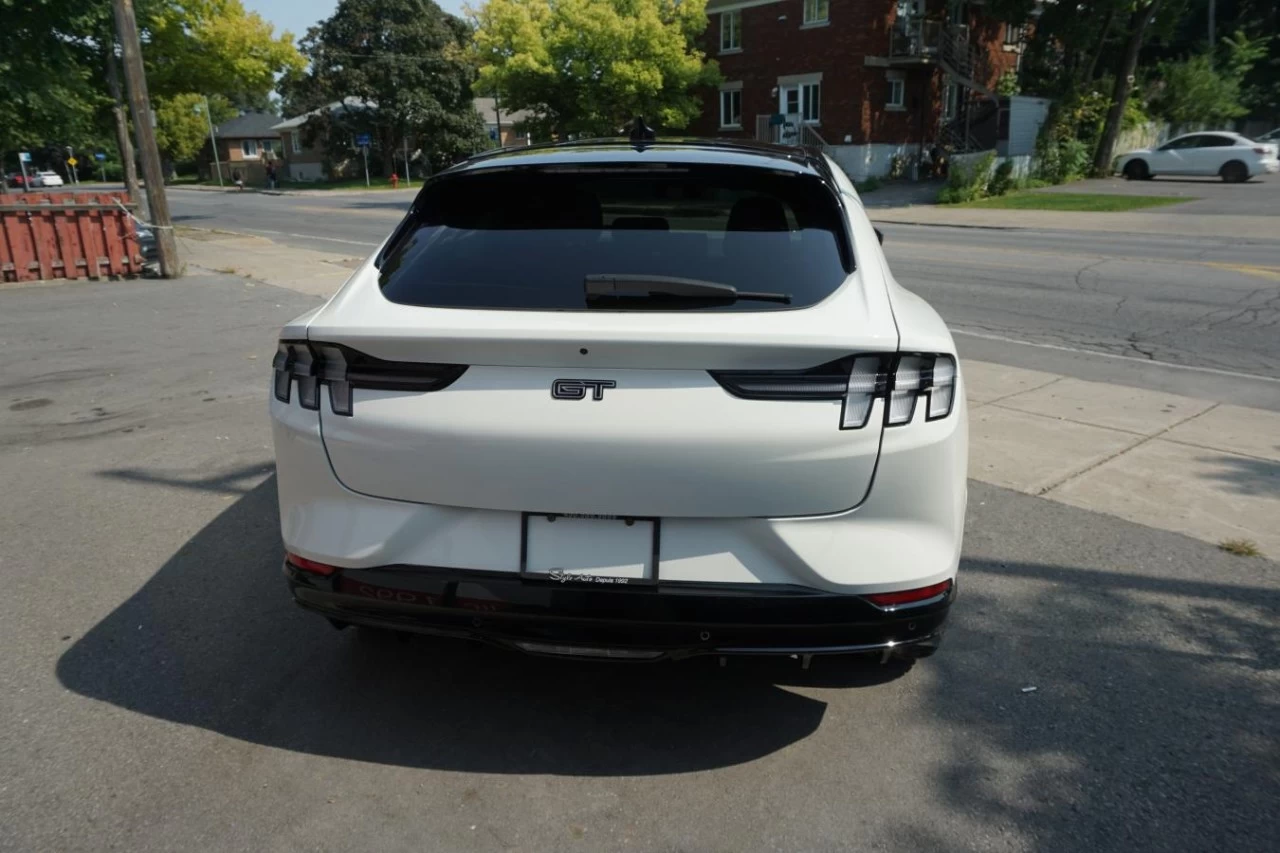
(1016, 393)
(1044, 492)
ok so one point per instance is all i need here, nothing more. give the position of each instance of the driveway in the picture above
(1104, 686)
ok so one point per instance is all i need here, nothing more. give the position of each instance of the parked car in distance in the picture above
(16, 179)
(602, 399)
(46, 179)
(1230, 156)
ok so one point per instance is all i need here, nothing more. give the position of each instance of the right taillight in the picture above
(901, 381)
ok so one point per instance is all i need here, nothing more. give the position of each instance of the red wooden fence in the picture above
(67, 235)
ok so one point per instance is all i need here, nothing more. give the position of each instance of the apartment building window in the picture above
(811, 102)
(295, 142)
(958, 14)
(1013, 34)
(730, 31)
(731, 107)
(816, 11)
(897, 97)
(249, 147)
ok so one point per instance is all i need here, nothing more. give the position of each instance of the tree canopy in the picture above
(53, 55)
(589, 66)
(407, 57)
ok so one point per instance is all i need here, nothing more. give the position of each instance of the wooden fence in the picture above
(67, 235)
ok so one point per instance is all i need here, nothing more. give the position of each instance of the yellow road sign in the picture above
(72, 160)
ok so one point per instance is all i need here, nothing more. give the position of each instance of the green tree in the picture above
(49, 77)
(182, 128)
(589, 66)
(408, 60)
(212, 46)
(1204, 88)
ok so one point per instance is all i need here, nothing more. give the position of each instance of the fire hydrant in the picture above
(395, 181)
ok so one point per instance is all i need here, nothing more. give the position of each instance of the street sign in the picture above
(24, 156)
(363, 139)
(99, 156)
(71, 161)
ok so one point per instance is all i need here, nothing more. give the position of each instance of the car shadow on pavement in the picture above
(1095, 709)
(213, 640)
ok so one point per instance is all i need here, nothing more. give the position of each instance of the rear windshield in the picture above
(527, 238)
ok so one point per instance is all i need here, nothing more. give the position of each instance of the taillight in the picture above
(312, 364)
(910, 597)
(857, 381)
(310, 566)
(1263, 151)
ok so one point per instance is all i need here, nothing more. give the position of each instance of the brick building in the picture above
(866, 79)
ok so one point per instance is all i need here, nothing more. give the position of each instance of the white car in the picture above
(627, 400)
(1230, 156)
(46, 179)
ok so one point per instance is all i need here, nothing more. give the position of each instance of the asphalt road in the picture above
(1186, 315)
(159, 691)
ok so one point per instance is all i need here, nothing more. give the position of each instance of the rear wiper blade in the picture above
(600, 287)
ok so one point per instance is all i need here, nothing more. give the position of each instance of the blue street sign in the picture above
(24, 156)
(99, 156)
(362, 139)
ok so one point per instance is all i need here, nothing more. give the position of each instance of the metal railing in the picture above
(914, 38)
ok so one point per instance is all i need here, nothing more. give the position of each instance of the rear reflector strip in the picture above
(342, 369)
(588, 651)
(900, 379)
(310, 566)
(910, 597)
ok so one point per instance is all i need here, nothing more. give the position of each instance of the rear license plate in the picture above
(598, 550)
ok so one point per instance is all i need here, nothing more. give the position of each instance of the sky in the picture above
(296, 15)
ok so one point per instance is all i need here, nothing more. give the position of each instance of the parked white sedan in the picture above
(46, 179)
(1230, 156)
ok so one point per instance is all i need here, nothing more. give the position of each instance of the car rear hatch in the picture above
(522, 346)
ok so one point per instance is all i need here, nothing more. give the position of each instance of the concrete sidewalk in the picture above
(1204, 469)
(1226, 227)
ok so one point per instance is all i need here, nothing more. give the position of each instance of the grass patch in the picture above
(1088, 202)
(1240, 547)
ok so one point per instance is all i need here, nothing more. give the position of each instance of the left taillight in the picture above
(313, 364)
(901, 379)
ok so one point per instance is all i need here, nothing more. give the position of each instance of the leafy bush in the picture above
(871, 184)
(967, 183)
(1008, 84)
(1002, 181)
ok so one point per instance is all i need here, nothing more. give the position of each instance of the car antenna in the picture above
(641, 132)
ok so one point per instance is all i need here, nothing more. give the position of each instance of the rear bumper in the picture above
(672, 620)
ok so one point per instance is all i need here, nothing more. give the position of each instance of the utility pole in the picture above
(123, 143)
(1213, 12)
(140, 104)
(497, 117)
(213, 143)
(407, 182)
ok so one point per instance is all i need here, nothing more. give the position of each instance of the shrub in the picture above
(967, 184)
(1002, 181)
(871, 184)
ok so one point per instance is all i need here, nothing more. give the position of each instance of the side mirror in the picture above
(879, 235)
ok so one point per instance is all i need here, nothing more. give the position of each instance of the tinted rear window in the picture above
(526, 238)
